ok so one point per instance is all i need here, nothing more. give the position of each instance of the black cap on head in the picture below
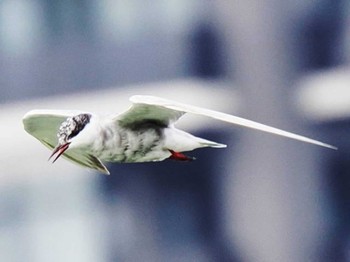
(72, 126)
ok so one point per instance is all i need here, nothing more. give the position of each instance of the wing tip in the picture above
(28, 115)
(319, 143)
(105, 172)
(329, 146)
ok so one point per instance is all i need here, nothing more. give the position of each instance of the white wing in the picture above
(167, 111)
(44, 124)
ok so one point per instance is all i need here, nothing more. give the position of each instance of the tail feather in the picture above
(208, 143)
(181, 141)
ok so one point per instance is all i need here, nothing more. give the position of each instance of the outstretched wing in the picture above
(141, 111)
(167, 111)
(44, 124)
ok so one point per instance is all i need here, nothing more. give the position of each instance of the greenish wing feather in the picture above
(140, 113)
(44, 124)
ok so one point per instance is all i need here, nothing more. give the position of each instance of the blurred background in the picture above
(264, 198)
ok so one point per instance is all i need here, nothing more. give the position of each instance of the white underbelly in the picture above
(133, 146)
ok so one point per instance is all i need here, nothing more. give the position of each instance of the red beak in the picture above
(59, 150)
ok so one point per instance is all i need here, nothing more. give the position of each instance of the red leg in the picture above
(179, 156)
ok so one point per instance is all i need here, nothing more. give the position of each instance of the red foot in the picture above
(179, 156)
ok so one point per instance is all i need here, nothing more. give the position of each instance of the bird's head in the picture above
(68, 132)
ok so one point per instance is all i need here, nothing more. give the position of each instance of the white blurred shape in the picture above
(325, 96)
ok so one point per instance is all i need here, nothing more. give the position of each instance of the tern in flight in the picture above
(145, 132)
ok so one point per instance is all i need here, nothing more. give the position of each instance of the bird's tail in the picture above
(181, 141)
(207, 143)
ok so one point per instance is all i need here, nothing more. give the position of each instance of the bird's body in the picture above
(144, 133)
(115, 143)
(144, 142)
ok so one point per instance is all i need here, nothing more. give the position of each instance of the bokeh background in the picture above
(264, 198)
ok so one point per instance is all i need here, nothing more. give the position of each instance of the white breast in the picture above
(118, 144)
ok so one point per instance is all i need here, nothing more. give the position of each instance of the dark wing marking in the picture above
(140, 113)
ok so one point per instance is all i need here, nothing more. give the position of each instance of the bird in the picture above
(145, 132)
